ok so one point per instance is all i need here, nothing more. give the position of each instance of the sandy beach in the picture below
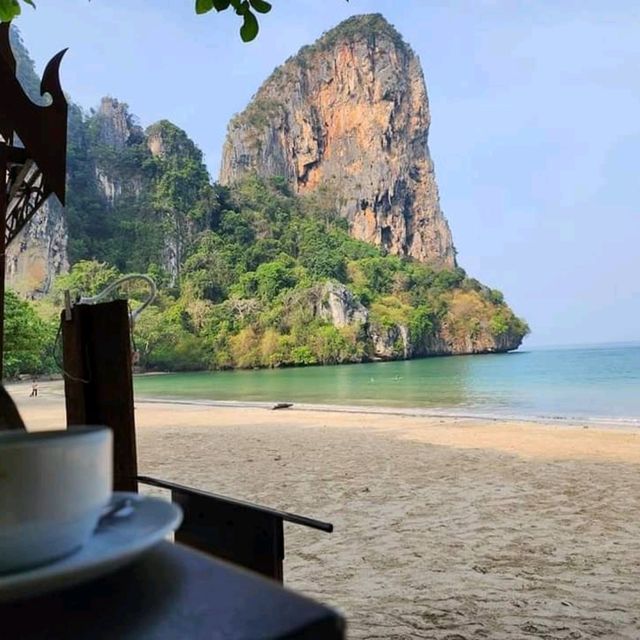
(444, 528)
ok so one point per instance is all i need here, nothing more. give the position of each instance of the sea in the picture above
(595, 383)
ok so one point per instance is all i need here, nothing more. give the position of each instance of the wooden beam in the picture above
(98, 380)
(286, 516)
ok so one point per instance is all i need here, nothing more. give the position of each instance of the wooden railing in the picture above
(243, 533)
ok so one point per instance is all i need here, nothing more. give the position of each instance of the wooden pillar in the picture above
(98, 381)
(3, 233)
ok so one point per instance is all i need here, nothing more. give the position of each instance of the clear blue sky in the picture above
(535, 124)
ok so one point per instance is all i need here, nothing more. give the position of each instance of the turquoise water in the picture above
(597, 382)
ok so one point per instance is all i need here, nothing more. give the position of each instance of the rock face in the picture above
(337, 305)
(350, 114)
(464, 329)
(391, 343)
(113, 124)
(39, 253)
(114, 128)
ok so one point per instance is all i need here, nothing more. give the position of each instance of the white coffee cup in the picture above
(53, 488)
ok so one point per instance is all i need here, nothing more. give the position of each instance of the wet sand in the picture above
(444, 528)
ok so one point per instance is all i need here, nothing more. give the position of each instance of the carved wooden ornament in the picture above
(33, 137)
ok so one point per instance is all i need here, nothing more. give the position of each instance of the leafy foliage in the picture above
(87, 278)
(246, 9)
(10, 9)
(242, 270)
(157, 191)
(254, 280)
(28, 338)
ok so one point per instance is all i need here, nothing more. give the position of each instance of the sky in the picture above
(535, 128)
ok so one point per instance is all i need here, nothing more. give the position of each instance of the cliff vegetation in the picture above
(274, 279)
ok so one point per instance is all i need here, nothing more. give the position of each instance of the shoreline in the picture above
(416, 412)
(542, 439)
(55, 387)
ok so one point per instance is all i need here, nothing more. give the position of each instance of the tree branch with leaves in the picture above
(245, 9)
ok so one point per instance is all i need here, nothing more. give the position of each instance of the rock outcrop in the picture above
(350, 114)
(337, 305)
(466, 327)
(391, 343)
(114, 127)
(39, 253)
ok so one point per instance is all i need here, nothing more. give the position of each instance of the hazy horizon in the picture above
(582, 345)
(534, 125)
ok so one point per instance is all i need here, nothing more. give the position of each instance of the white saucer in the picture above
(110, 547)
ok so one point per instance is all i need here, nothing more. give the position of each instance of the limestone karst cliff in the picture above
(325, 242)
(350, 114)
(123, 202)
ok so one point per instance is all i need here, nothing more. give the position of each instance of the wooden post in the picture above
(98, 381)
(3, 248)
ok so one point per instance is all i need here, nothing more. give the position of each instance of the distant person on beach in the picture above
(34, 389)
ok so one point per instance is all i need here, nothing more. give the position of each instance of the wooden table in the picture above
(172, 593)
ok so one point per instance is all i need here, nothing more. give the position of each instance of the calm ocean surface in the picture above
(584, 383)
